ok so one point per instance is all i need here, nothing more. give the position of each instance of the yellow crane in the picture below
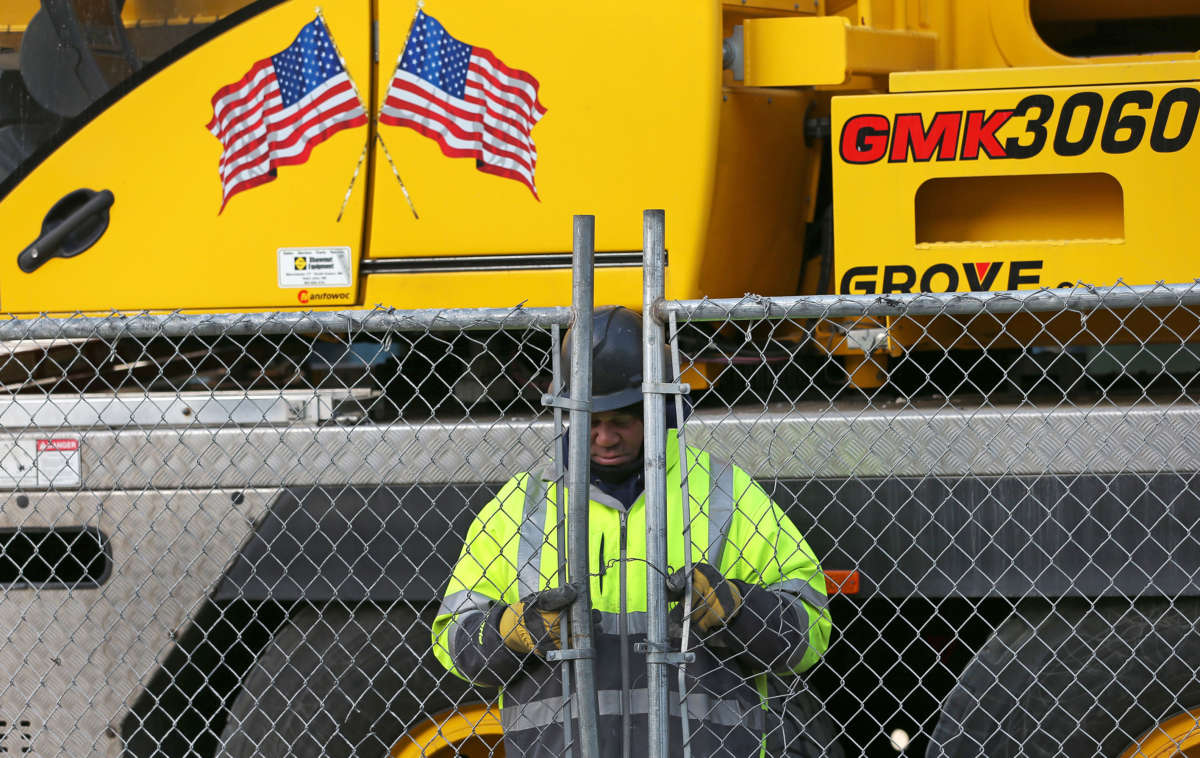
(845, 147)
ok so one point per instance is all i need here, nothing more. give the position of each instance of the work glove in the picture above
(533, 624)
(715, 599)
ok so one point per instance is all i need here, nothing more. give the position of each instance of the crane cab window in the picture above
(57, 57)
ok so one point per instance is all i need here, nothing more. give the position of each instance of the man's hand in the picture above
(715, 599)
(532, 625)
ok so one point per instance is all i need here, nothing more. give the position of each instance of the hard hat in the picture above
(616, 358)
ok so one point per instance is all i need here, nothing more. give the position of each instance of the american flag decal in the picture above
(281, 109)
(467, 100)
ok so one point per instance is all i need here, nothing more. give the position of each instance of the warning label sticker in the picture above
(58, 462)
(314, 267)
(30, 462)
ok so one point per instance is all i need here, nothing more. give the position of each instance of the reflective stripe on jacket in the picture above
(511, 551)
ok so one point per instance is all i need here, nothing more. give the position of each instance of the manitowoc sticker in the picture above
(314, 267)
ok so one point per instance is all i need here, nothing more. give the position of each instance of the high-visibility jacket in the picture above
(511, 551)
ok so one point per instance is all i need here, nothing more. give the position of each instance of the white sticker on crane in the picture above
(58, 462)
(314, 267)
(40, 462)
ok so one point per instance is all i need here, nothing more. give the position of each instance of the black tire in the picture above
(338, 682)
(1074, 680)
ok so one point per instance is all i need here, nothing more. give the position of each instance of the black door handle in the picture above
(72, 226)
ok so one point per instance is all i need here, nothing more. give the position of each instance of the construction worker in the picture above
(758, 594)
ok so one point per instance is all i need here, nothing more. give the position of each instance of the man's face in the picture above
(616, 437)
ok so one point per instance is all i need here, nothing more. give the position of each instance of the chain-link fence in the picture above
(231, 534)
(244, 535)
(1002, 491)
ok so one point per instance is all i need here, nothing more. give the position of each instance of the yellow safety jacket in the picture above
(511, 551)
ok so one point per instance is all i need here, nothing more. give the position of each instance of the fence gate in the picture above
(229, 535)
(1002, 489)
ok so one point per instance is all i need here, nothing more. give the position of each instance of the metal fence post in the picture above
(654, 406)
(560, 528)
(578, 554)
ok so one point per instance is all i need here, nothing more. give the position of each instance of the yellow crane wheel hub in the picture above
(473, 731)
(1177, 736)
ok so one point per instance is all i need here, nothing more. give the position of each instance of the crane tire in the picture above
(1075, 679)
(340, 681)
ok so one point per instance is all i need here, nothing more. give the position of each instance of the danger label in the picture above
(314, 267)
(58, 462)
(45, 462)
(58, 446)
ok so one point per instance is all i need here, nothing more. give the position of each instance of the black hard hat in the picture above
(616, 358)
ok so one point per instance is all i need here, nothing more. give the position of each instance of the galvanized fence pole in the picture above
(654, 405)
(560, 528)
(578, 554)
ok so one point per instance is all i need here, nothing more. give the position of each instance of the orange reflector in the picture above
(843, 582)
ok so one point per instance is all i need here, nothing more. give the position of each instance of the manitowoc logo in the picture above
(940, 277)
(1122, 125)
